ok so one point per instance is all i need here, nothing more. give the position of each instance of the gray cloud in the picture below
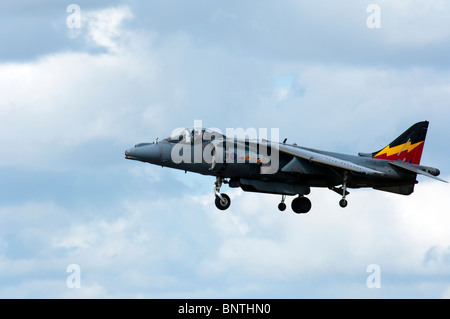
(70, 107)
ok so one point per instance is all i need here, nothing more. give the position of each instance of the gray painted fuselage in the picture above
(307, 173)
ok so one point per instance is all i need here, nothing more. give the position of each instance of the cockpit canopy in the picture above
(195, 134)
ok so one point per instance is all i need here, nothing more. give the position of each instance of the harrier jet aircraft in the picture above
(288, 169)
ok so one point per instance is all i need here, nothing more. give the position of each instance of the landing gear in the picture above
(342, 191)
(301, 205)
(222, 201)
(282, 205)
(343, 202)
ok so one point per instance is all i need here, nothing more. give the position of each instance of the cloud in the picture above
(104, 27)
(252, 249)
(63, 100)
(394, 232)
(133, 74)
(415, 23)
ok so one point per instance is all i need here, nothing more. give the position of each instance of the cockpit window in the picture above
(142, 144)
(210, 135)
(189, 135)
(178, 135)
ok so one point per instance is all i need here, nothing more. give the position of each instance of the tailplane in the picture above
(407, 147)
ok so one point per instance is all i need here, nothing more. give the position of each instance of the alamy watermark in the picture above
(374, 19)
(74, 279)
(374, 279)
(73, 20)
(211, 146)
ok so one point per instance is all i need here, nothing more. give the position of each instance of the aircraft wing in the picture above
(327, 160)
(415, 169)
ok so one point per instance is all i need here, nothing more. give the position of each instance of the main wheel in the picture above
(223, 203)
(301, 205)
(343, 203)
(281, 206)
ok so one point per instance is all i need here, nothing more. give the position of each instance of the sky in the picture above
(79, 87)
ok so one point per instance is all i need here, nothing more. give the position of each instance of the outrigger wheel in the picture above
(343, 203)
(282, 205)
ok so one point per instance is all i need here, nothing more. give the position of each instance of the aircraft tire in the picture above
(343, 203)
(282, 206)
(301, 205)
(223, 204)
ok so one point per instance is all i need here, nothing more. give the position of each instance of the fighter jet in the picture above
(263, 166)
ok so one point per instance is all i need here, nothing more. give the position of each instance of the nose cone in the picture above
(128, 153)
(144, 152)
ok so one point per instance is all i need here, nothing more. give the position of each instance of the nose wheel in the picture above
(222, 201)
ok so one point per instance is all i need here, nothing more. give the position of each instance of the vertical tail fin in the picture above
(407, 147)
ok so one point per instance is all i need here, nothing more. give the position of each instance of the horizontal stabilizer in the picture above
(415, 169)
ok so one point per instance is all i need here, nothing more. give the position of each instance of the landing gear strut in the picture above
(343, 202)
(222, 201)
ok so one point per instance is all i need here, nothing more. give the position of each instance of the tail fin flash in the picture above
(407, 147)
